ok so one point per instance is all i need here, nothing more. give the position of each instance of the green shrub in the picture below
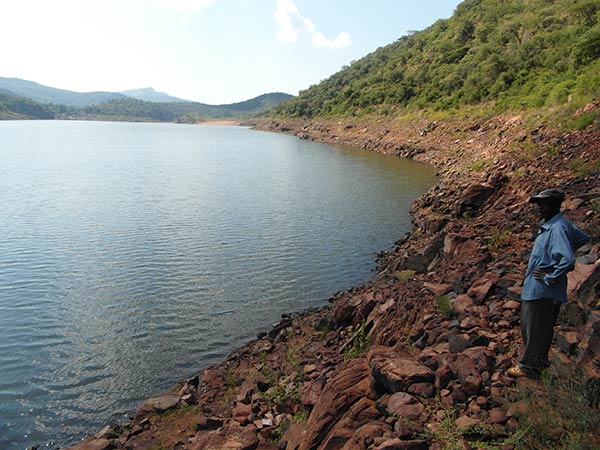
(445, 306)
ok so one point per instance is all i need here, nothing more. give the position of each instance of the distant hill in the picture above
(150, 95)
(14, 107)
(122, 108)
(261, 103)
(506, 55)
(44, 94)
(186, 111)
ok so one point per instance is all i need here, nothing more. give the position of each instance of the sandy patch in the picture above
(219, 122)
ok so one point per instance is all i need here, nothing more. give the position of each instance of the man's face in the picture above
(548, 208)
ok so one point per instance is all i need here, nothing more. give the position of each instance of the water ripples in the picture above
(134, 255)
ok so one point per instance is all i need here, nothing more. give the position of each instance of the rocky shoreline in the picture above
(416, 358)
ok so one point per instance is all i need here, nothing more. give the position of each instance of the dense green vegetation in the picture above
(510, 54)
(129, 109)
(184, 111)
(13, 107)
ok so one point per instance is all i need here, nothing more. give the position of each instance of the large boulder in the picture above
(396, 371)
(347, 387)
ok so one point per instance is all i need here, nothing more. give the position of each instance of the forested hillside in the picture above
(510, 54)
(130, 109)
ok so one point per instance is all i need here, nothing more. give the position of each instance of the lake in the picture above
(134, 255)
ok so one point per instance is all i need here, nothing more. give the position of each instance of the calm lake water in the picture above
(134, 255)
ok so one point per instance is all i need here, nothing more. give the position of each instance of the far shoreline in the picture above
(219, 122)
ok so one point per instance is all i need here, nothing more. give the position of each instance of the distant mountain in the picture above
(190, 112)
(44, 94)
(121, 108)
(150, 95)
(29, 100)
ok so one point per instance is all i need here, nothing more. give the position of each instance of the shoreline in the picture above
(220, 122)
(315, 372)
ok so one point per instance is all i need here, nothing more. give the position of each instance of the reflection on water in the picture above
(134, 255)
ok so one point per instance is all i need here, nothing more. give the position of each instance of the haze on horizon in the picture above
(210, 51)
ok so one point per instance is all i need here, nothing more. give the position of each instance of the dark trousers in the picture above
(537, 328)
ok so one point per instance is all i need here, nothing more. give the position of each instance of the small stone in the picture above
(426, 390)
(568, 342)
(161, 404)
(481, 401)
(438, 289)
(469, 322)
(457, 343)
(497, 415)
(241, 413)
(309, 368)
(267, 422)
(513, 305)
(462, 303)
(106, 433)
(465, 422)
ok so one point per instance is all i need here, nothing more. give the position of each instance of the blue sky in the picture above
(211, 51)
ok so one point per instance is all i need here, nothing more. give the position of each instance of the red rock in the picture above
(482, 357)
(425, 390)
(395, 371)
(481, 401)
(262, 445)
(438, 288)
(92, 444)
(399, 444)
(311, 392)
(482, 287)
(469, 322)
(293, 436)
(309, 368)
(404, 405)
(513, 305)
(465, 422)
(230, 437)
(443, 375)
(497, 415)
(457, 343)
(462, 303)
(400, 399)
(361, 413)
(582, 280)
(468, 376)
(362, 438)
(160, 404)
(568, 341)
(410, 412)
(209, 423)
(348, 386)
(465, 252)
(241, 413)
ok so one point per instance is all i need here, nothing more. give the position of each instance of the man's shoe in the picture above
(516, 372)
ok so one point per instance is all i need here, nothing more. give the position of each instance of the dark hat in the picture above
(548, 194)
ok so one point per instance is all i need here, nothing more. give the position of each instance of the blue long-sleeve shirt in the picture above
(552, 252)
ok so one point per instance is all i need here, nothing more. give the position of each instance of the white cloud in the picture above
(186, 5)
(342, 40)
(292, 25)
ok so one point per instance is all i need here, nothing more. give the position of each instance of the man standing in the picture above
(545, 285)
